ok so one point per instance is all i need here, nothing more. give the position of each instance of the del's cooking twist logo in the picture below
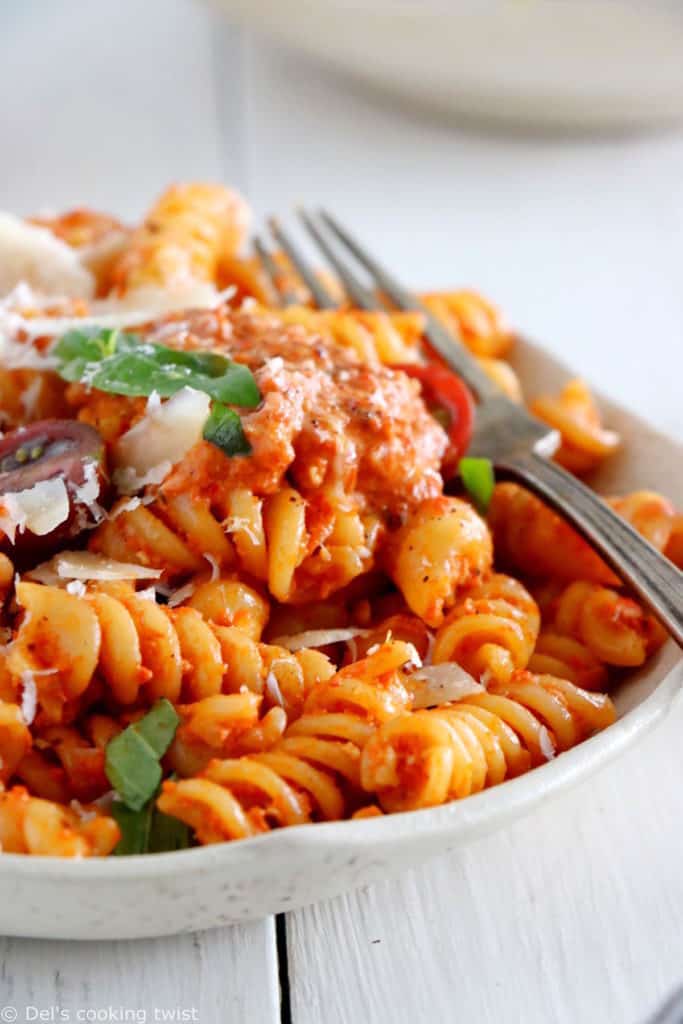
(99, 1015)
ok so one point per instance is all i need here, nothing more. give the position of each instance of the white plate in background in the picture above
(162, 894)
(588, 64)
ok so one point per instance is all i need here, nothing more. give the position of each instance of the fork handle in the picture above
(653, 578)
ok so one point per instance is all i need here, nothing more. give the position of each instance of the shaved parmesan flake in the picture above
(29, 696)
(439, 684)
(32, 254)
(162, 437)
(127, 481)
(273, 689)
(414, 660)
(318, 638)
(83, 813)
(240, 524)
(547, 744)
(129, 505)
(30, 395)
(105, 313)
(194, 295)
(20, 355)
(87, 565)
(88, 492)
(105, 801)
(149, 594)
(77, 588)
(215, 568)
(180, 595)
(39, 509)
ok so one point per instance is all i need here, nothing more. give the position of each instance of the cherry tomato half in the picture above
(43, 451)
(450, 402)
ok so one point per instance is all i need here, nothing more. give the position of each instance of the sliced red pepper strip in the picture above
(450, 401)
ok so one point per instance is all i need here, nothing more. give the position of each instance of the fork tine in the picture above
(356, 291)
(452, 349)
(321, 296)
(274, 273)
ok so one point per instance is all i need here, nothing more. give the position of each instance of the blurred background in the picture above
(531, 150)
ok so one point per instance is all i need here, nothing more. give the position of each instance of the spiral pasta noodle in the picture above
(45, 828)
(614, 628)
(427, 758)
(312, 773)
(574, 412)
(532, 538)
(221, 726)
(491, 631)
(15, 739)
(556, 654)
(141, 650)
(674, 547)
(182, 238)
(6, 578)
(374, 336)
(300, 551)
(473, 319)
(443, 546)
(648, 512)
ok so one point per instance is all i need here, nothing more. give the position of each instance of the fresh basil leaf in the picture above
(135, 828)
(167, 833)
(479, 480)
(124, 364)
(132, 768)
(78, 348)
(224, 429)
(158, 726)
(148, 830)
(132, 758)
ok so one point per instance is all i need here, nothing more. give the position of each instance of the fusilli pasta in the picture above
(237, 591)
(426, 758)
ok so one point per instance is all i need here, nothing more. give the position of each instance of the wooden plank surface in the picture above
(228, 975)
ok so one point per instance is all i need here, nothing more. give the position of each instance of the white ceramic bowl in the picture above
(554, 63)
(166, 893)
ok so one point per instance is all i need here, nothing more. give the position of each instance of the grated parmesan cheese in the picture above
(34, 255)
(39, 509)
(161, 438)
(273, 688)
(88, 492)
(439, 684)
(88, 565)
(318, 638)
(29, 696)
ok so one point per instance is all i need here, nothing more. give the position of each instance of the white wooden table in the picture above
(576, 913)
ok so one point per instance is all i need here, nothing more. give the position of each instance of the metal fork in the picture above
(518, 445)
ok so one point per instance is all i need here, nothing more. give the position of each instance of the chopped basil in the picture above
(479, 480)
(167, 833)
(158, 726)
(132, 758)
(135, 828)
(148, 830)
(125, 364)
(224, 429)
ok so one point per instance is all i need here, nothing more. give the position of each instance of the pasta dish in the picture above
(249, 576)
